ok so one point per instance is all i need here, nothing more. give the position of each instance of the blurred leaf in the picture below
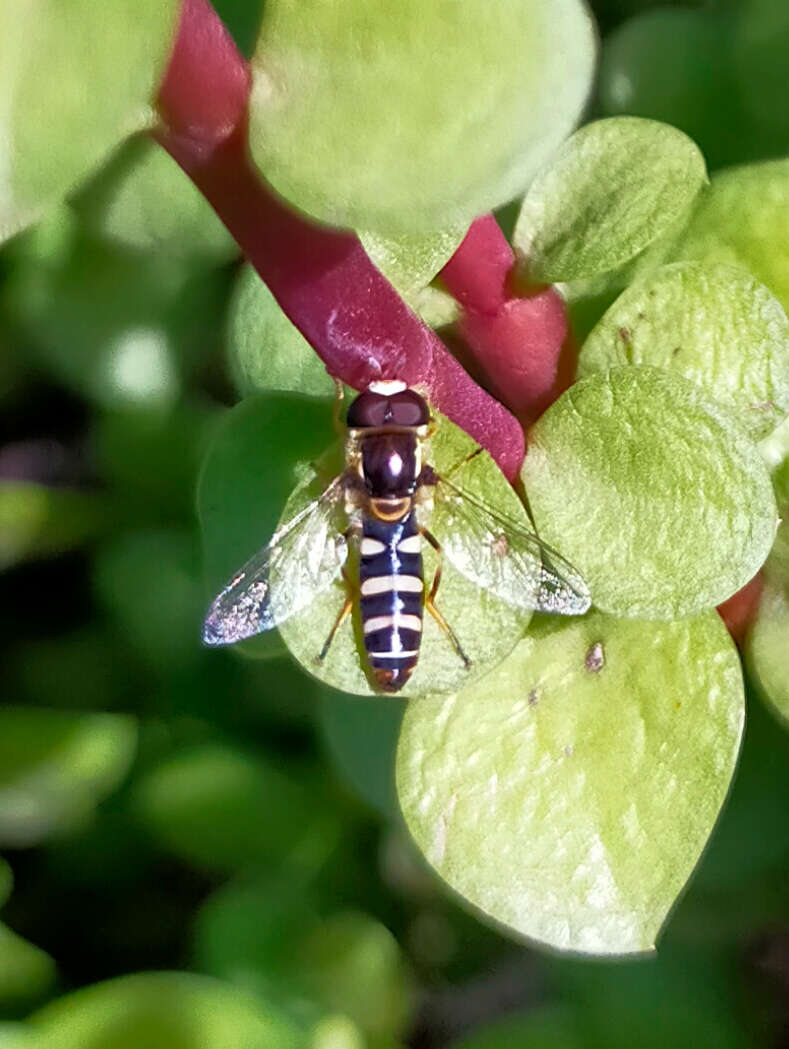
(266, 351)
(6, 882)
(163, 1011)
(77, 79)
(55, 766)
(713, 324)
(488, 628)
(26, 972)
(223, 809)
(760, 40)
(437, 150)
(411, 260)
(614, 188)
(142, 199)
(265, 936)
(568, 795)
(766, 648)
(242, 19)
(39, 521)
(545, 1028)
(248, 473)
(740, 220)
(651, 491)
(361, 735)
(149, 582)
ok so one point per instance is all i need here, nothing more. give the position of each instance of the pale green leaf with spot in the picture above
(55, 766)
(267, 351)
(614, 188)
(652, 491)
(167, 1010)
(410, 261)
(415, 116)
(714, 324)
(742, 219)
(486, 627)
(143, 200)
(76, 79)
(568, 795)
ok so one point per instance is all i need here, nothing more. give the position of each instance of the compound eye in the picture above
(408, 409)
(368, 409)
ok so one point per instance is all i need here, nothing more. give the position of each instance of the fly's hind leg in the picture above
(347, 608)
(430, 600)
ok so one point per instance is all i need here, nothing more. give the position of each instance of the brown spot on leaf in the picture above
(533, 698)
(624, 334)
(595, 658)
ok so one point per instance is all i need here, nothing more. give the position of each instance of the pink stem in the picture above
(322, 278)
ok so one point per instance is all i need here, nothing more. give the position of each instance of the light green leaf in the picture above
(37, 521)
(248, 473)
(77, 78)
(224, 809)
(163, 1011)
(569, 794)
(766, 648)
(614, 188)
(55, 766)
(416, 116)
(267, 352)
(743, 220)
(651, 491)
(26, 972)
(412, 260)
(142, 199)
(487, 627)
(715, 325)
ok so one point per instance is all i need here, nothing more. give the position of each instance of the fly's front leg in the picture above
(430, 600)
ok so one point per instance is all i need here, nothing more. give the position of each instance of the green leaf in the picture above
(736, 222)
(651, 491)
(267, 352)
(362, 739)
(766, 648)
(569, 794)
(265, 937)
(142, 199)
(55, 766)
(248, 473)
(223, 809)
(26, 972)
(374, 117)
(412, 260)
(487, 627)
(37, 521)
(163, 1011)
(715, 325)
(78, 78)
(543, 1028)
(614, 188)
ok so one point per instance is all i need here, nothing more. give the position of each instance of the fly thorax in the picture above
(390, 465)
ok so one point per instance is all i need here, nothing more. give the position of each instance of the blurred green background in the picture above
(222, 827)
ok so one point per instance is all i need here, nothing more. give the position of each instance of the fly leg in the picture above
(347, 608)
(430, 600)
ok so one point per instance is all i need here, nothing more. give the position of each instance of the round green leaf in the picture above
(715, 325)
(412, 260)
(652, 492)
(78, 77)
(248, 473)
(416, 116)
(486, 627)
(26, 972)
(142, 199)
(766, 648)
(743, 220)
(163, 1011)
(569, 794)
(267, 352)
(613, 189)
(55, 766)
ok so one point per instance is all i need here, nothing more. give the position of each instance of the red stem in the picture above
(322, 278)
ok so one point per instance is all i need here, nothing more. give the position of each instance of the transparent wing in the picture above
(501, 555)
(303, 557)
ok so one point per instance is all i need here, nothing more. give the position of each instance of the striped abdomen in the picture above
(391, 588)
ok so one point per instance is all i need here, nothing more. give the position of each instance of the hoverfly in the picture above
(381, 497)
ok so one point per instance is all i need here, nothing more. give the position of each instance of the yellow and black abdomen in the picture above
(391, 585)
